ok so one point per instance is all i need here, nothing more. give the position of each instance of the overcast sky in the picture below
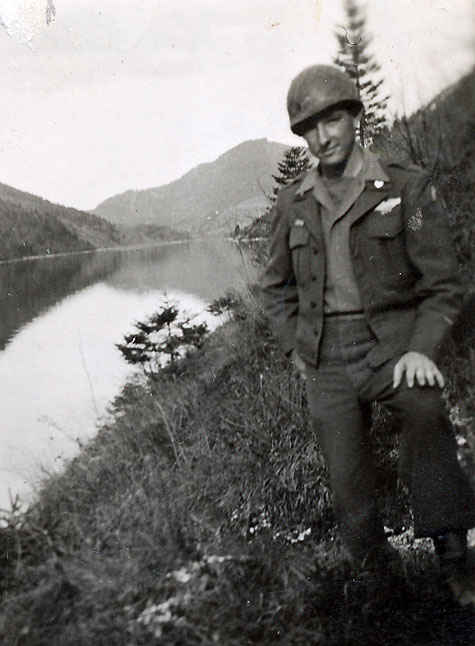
(119, 94)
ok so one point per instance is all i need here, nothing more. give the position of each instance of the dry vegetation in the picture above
(201, 515)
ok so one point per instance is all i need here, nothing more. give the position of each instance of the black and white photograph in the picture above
(237, 331)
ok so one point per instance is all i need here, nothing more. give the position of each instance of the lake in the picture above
(61, 318)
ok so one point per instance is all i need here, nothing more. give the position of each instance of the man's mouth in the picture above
(328, 152)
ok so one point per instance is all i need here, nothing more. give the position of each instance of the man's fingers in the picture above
(421, 376)
(430, 378)
(397, 374)
(417, 369)
(410, 376)
(440, 378)
(299, 364)
(433, 376)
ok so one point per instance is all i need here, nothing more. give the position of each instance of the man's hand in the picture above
(299, 364)
(417, 367)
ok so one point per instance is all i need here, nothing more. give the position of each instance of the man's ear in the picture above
(357, 119)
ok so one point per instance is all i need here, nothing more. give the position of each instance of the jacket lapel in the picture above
(307, 208)
(371, 196)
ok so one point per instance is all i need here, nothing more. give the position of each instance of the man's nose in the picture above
(322, 134)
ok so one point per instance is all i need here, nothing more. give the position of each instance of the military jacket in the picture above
(402, 259)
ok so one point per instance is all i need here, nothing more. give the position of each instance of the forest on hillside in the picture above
(30, 232)
(31, 226)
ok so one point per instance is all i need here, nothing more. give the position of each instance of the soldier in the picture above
(361, 290)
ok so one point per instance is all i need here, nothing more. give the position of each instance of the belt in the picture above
(356, 314)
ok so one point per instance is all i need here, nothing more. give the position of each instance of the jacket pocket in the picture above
(299, 245)
(387, 249)
(298, 236)
(385, 226)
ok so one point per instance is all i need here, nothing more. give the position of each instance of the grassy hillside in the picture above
(201, 515)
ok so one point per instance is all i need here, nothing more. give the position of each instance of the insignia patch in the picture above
(378, 183)
(388, 205)
(416, 220)
(299, 223)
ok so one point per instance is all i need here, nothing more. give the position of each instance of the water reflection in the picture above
(29, 288)
(200, 268)
(61, 318)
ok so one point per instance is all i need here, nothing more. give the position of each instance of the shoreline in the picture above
(135, 247)
(61, 254)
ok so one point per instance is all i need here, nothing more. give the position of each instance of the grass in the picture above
(201, 515)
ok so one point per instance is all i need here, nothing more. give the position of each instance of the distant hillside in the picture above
(440, 137)
(149, 233)
(241, 214)
(30, 225)
(204, 197)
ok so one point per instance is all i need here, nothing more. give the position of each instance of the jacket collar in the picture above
(374, 186)
(370, 170)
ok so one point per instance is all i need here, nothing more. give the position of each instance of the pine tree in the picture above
(362, 67)
(295, 162)
(162, 339)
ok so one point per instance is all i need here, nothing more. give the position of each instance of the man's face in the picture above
(332, 137)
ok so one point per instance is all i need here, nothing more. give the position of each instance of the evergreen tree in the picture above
(162, 339)
(295, 162)
(361, 66)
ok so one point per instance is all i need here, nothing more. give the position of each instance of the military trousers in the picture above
(340, 392)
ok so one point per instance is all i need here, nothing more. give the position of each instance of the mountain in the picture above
(30, 225)
(241, 214)
(150, 233)
(205, 197)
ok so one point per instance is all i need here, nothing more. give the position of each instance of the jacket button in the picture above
(313, 305)
(314, 277)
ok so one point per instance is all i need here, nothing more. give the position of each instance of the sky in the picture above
(114, 95)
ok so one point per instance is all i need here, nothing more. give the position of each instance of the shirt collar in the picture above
(373, 169)
(370, 170)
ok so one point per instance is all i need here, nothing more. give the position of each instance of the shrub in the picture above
(163, 338)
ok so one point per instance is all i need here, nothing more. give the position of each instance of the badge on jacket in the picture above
(388, 205)
(416, 220)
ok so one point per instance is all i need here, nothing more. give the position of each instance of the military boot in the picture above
(456, 564)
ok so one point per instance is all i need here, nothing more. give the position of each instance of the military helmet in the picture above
(315, 89)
